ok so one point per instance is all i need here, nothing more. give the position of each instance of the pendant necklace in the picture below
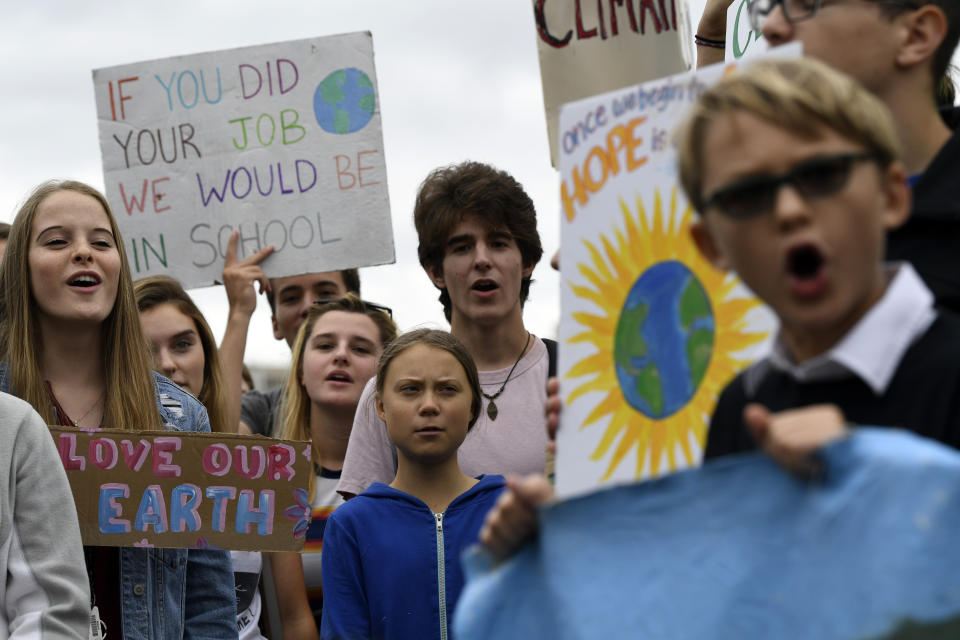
(492, 410)
(62, 418)
(76, 422)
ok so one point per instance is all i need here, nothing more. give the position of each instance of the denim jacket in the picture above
(174, 593)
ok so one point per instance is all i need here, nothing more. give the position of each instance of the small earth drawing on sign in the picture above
(664, 340)
(344, 101)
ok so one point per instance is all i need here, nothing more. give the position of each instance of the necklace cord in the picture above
(504, 385)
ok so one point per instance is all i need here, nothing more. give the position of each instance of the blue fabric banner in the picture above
(740, 549)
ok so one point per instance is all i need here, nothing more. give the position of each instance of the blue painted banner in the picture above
(740, 549)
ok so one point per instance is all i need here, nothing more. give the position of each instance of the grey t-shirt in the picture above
(260, 410)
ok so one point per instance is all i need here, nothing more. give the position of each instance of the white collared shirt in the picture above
(873, 349)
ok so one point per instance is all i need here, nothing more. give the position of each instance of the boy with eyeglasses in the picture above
(900, 50)
(795, 172)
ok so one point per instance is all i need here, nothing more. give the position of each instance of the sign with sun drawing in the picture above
(650, 332)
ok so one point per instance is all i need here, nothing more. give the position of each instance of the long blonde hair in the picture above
(154, 291)
(130, 401)
(296, 402)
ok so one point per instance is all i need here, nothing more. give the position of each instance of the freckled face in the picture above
(426, 403)
(177, 350)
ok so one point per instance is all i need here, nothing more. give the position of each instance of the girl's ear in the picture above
(379, 404)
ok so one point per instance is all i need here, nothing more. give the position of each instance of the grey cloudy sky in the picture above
(457, 80)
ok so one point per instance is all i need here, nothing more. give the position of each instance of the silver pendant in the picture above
(492, 410)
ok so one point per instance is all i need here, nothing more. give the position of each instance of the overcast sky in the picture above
(457, 80)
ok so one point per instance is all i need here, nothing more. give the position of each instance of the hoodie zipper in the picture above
(441, 577)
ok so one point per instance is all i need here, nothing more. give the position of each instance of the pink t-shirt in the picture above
(513, 443)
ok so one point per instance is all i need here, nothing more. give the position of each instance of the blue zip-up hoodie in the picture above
(381, 556)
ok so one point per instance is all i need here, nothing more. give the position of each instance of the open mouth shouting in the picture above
(339, 377)
(806, 268)
(85, 280)
(485, 287)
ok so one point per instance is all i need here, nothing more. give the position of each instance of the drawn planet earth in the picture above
(664, 340)
(344, 101)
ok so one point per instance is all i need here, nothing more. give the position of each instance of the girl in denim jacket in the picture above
(71, 340)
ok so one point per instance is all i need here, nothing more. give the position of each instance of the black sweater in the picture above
(923, 396)
(930, 239)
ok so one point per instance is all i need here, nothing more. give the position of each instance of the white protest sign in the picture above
(281, 142)
(590, 47)
(650, 332)
(742, 40)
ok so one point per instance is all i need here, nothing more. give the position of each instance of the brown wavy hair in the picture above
(448, 194)
(435, 339)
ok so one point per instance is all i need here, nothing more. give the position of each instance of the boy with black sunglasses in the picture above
(794, 169)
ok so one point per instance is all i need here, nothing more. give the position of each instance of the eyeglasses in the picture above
(368, 305)
(755, 196)
(379, 307)
(799, 10)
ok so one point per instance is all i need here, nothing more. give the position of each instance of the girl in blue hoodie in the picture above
(391, 556)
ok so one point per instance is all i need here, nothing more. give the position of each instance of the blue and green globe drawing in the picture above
(664, 340)
(344, 101)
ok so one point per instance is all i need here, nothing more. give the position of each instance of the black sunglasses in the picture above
(367, 305)
(798, 10)
(817, 177)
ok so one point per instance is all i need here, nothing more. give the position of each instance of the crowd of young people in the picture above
(86, 347)
(808, 184)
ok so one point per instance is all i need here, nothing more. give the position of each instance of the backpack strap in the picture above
(551, 346)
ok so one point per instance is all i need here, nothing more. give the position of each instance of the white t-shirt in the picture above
(246, 572)
(325, 500)
(513, 443)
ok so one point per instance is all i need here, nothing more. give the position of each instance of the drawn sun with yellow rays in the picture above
(666, 342)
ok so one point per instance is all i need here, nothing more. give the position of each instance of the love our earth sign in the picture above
(280, 142)
(193, 490)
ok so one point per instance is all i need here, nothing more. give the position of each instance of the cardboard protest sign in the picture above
(187, 490)
(742, 549)
(650, 332)
(590, 47)
(742, 40)
(281, 142)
